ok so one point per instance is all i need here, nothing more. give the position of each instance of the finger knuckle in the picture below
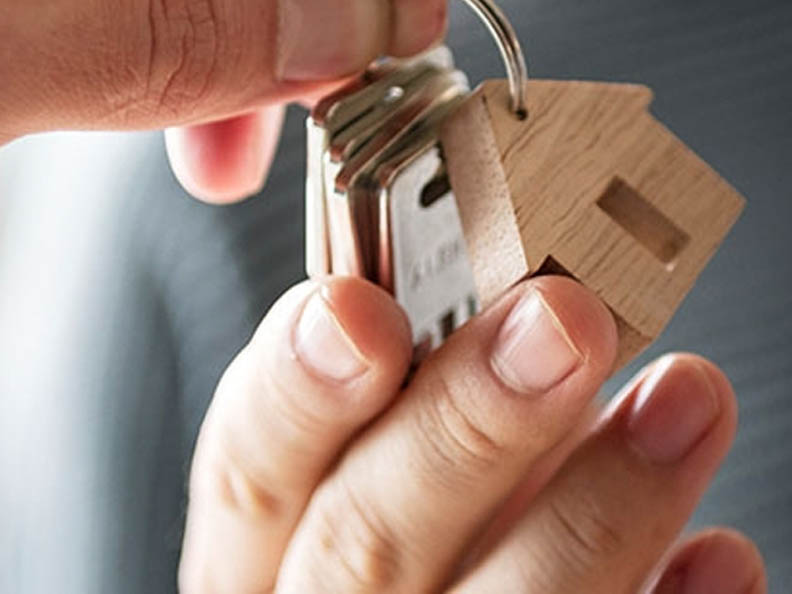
(458, 439)
(582, 531)
(227, 466)
(223, 474)
(184, 53)
(175, 60)
(354, 549)
(238, 490)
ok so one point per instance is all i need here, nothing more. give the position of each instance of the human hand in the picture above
(491, 472)
(130, 64)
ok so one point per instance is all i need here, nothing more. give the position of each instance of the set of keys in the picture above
(550, 177)
(379, 203)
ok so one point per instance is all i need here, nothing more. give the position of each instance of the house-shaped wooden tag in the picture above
(589, 185)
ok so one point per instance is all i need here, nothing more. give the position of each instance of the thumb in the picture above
(82, 64)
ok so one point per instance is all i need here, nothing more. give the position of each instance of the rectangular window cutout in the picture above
(650, 227)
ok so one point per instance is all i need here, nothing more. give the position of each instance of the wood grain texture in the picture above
(594, 184)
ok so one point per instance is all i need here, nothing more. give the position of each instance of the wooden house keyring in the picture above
(578, 178)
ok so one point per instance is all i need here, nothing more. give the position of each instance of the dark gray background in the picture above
(123, 300)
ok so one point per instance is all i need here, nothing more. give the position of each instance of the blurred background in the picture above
(122, 300)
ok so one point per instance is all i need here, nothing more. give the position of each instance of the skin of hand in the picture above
(215, 72)
(316, 470)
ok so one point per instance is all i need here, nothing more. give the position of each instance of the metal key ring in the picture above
(509, 46)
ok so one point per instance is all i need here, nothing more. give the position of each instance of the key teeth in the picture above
(454, 319)
(472, 305)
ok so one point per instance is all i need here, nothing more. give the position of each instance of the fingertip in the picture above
(328, 39)
(721, 386)
(225, 161)
(719, 560)
(588, 322)
(679, 405)
(373, 319)
(337, 338)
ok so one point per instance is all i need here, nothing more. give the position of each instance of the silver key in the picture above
(353, 106)
(423, 258)
(379, 202)
(351, 213)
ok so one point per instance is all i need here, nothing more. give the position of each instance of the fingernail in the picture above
(323, 346)
(325, 39)
(533, 352)
(718, 567)
(674, 409)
